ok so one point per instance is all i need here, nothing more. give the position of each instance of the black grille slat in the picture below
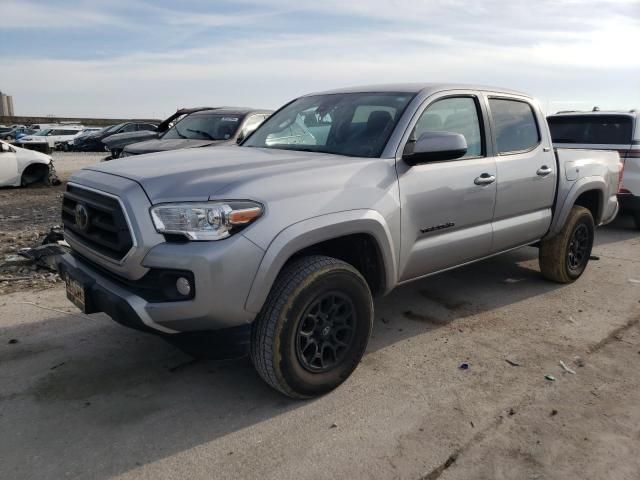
(108, 232)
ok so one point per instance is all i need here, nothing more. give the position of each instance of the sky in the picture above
(124, 58)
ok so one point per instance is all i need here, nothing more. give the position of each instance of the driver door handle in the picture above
(485, 179)
(543, 171)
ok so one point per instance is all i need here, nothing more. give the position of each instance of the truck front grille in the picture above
(97, 220)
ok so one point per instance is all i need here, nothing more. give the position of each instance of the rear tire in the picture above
(314, 327)
(564, 257)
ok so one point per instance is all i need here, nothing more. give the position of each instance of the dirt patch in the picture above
(447, 302)
(26, 216)
(423, 317)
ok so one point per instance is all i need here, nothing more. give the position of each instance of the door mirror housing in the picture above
(435, 147)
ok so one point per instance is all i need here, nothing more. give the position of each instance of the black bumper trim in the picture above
(224, 343)
(629, 202)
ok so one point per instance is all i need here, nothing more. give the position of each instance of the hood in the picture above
(26, 155)
(120, 140)
(160, 145)
(240, 172)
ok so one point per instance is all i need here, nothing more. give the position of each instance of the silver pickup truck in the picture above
(279, 245)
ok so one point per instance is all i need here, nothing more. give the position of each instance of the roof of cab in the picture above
(428, 88)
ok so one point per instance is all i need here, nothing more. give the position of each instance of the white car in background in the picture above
(51, 136)
(67, 145)
(21, 167)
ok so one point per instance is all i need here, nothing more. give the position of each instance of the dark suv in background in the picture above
(93, 142)
(203, 128)
(600, 130)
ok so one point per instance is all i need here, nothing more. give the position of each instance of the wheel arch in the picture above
(588, 192)
(355, 234)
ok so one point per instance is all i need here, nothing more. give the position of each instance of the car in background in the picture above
(47, 139)
(4, 130)
(67, 145)
(22, 167)
(203, 128)
(16, 133)
(116, 143)
(93, 142)
(600, 130)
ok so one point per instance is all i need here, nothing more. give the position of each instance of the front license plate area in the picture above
(76, 292)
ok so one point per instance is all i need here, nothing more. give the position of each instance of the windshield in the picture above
(353, 124)
(42, 133)
(205, 127)
(112, 128)
(591, 129)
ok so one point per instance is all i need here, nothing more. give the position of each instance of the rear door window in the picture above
(591, 129)
(515, 125)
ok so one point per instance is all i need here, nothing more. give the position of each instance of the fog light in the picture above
(183, 286)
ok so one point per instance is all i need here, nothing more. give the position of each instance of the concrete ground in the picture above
(82, 397)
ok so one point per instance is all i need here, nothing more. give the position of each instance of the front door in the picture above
(447, 206)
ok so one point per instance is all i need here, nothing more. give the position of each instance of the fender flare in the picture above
(318, 229)
(578, 188)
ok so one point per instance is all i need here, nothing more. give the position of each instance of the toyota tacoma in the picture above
(281, 244)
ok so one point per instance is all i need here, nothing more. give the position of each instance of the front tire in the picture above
(314, 327)
(564, 257)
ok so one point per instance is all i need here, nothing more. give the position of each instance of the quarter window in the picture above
(457, 115)
(515, 125)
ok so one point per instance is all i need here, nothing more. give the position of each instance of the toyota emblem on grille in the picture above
(82, 217)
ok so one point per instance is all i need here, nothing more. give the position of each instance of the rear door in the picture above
(447, 206)
(526, 169)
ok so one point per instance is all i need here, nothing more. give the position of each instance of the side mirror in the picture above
(435, 147)
(4, 148)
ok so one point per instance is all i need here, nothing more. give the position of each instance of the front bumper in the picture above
(629, 202)
(223, 273)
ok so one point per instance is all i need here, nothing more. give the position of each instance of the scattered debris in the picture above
(554, 412)
(551, 378)
(13, 341)
(512, 280)
(384, 320)
(472, 425)
(512, 412)
(594, 257)
(566, 369)
(86, 404)
(513, 363)
(578, 361)
(334, 425)
(55, 235)
(45, 255)
(14, 279)
(633, 280)
(57, 366)
(464, 366)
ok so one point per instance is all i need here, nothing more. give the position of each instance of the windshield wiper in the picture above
(178, 132)
(200, 132)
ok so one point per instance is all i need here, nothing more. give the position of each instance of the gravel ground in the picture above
(82, 397)
(26, 215)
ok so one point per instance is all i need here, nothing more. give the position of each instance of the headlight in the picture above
(205, 221)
